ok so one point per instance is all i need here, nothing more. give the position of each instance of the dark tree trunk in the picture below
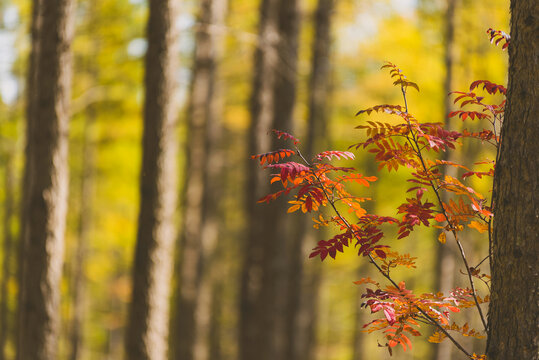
(201, 210)
(304, 279)
(7, 250)
(252, 325)
(514, 310)
(46, 184)
(31, 87)
(147, 331)
(445, 253)
(263, 284)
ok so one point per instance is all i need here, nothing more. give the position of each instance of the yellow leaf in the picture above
(442, 238)
(293, 208)
(478, 226)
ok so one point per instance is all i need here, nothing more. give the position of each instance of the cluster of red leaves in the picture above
(403, 311)
(366, 233)
(404, 143)
(496, 36)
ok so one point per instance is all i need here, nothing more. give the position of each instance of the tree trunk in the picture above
(31, 90)
(514, 310)
(147, 331)
(46, 185)
(252, 326)
(83, 234)
(203, 172)
(7, 250)
(304, 279)
(263, 283)
(445, 253)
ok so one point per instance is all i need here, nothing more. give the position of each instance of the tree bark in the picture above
(46, 184)
(514, 310)
(263, 283)
(147, 331)
(203, 172)
(304, 279)
(252, 342)
(31, 102)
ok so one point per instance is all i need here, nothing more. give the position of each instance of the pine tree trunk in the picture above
(514, 309)
(147, 331)
(304, 279)
(202, 189)
(7, 254)
(263, 283)
(252, 325)
(46, 185)
(31, 87)
(445, 253)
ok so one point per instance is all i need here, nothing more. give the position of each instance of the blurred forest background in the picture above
(242, 282)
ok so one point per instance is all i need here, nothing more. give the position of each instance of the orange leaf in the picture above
(440, 217)
(442, 238)
(365, 280)
(478, 226)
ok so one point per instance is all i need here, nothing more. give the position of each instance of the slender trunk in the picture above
(46, 185)
(31, 90)
(263, 284)
(147, 331)
(202, 189)
(252, 327)
(7, 250)
(513, 331)
(83, 233)
(304, 279)
(445, 253)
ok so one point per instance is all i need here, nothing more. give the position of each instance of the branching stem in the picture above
(435, 188)
(429, 318)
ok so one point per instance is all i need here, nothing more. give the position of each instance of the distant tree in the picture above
(45, 180)
(263, 279)
(445, 253)
(147, 330)
(85, 219)
(304, 280)
(513, 331)
(202, 182)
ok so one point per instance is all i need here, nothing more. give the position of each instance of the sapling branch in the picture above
(427, 317)
(413, 141)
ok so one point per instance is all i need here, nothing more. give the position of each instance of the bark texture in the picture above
(263, 283)
(203, 173)
(46, 184)
(147, 331)
(514, 306)
(304, 275)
